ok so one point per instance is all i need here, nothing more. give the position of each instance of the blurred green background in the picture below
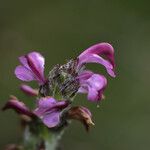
(62, 29)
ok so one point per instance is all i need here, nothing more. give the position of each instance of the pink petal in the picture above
(83, 89)
(32, 68)
(91, 55)
(51, 119)
(24, 62)
(97, 81)
(93, 86)
(84, 75)
(92, 94)
(36, 63)
(101, 49)
(24, 74)
(46, 102)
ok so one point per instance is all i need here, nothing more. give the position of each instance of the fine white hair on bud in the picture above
(62, 81)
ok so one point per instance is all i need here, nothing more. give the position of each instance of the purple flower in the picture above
(18, 106)
(31, 68)
(29, 90)
(92, 84)
(92, 55)
(49, 110)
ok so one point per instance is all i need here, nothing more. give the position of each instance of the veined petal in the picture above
(36, 62)
(32, 68)
(91, 55)
(24, 74)
(24, 62)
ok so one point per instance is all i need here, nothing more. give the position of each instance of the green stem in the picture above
(45, 140)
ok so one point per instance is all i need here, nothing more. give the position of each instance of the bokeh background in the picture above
(62, 29)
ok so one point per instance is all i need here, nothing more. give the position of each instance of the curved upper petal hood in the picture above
(92, 55)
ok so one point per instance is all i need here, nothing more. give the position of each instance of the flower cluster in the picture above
(56, 91)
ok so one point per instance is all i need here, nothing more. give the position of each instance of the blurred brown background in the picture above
(60, 30)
